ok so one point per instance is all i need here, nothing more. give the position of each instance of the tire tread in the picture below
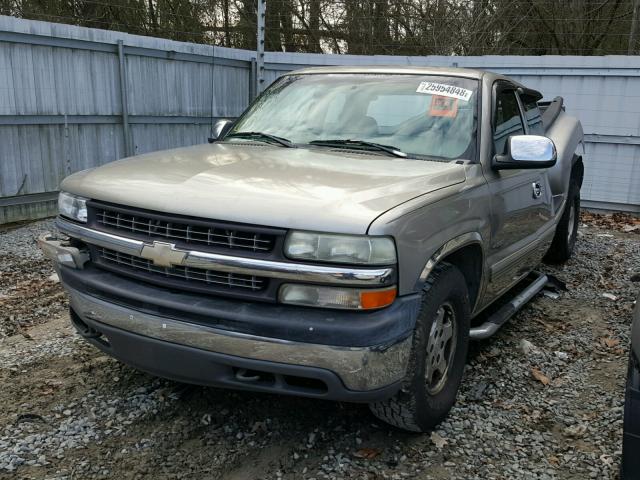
(400, 410)
(560, 251)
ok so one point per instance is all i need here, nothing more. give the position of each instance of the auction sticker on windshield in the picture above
(442, 106)
(444, 90)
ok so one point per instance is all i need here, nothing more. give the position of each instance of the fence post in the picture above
(260, 47)
(128, 150)
(253, 81)
(67, 149)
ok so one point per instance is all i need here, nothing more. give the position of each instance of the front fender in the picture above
(424, 226)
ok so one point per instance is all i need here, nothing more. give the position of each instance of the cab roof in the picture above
(397, 69)
(472, 73)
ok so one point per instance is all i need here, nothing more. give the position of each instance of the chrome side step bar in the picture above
(500, 317)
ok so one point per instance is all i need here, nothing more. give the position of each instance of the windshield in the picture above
(430, 116)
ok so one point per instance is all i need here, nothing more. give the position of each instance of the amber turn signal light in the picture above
(370, 299)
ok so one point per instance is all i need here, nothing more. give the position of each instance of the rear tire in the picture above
(438, 355)
(564, 241)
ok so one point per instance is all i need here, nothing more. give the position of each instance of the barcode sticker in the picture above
(444, 90)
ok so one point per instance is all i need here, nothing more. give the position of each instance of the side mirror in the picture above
(220, 128)
(526, 151)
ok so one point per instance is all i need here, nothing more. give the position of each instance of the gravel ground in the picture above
(542, 399)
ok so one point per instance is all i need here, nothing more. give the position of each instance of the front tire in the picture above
(564, 240)
(438, 356)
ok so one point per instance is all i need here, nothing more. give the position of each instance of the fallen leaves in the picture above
(630, 228)
(609, 342)
(576, 431)
(606, 459)
(367, 453)
(539, 376)
(553, 460)
(50, 387)
(616, 221)
(527, 347)
(438, 440)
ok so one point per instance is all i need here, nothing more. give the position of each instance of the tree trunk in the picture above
(152, 17)
(273, 41)
(634, 28)
(314, 26)
(225, 23)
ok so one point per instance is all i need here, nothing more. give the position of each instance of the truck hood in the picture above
(304, 188)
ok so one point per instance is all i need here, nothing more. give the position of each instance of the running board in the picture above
(499, 318)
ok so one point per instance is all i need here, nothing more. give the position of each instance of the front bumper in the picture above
(351, 356)
(207, 356)
(359, 369)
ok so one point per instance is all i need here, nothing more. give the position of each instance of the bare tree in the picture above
(397, 27)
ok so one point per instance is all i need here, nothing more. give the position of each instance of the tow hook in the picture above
(243, 375)
(82, 328)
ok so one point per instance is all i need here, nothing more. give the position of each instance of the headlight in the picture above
(337, 297)
(72, 206)
(350, 249)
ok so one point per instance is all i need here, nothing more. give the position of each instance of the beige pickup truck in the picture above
(343, 239)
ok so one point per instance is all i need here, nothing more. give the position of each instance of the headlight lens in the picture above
(337, 297)
(351, 249)
(72, 206)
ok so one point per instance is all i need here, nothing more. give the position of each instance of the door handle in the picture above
(537, 189)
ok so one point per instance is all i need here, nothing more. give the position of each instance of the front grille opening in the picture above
(149, 227)
(185, 275)
(306, 383)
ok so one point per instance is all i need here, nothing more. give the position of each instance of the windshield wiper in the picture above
(396, 152)
(262, 136)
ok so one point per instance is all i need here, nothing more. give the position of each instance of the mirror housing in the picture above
(526, 151)
(220, 129)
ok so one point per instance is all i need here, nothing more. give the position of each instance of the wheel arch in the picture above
(466, 253)
(577, 169)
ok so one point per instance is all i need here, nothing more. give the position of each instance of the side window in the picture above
(533, 115)
(508, 121)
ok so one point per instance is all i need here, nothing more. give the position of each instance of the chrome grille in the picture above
(148, 226)
(184, 274)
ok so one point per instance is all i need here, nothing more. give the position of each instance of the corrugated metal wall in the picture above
(61, 104)
(62, 107)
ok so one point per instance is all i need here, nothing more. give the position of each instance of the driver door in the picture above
(521, 202)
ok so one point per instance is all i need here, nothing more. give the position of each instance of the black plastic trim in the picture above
(551, 111)
(386, 326)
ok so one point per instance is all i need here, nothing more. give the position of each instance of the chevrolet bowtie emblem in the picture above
(163, 254)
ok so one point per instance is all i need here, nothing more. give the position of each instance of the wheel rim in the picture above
(440, 349)
(572, 220)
